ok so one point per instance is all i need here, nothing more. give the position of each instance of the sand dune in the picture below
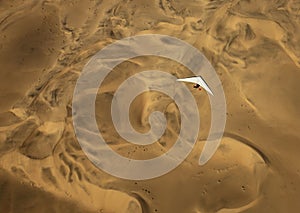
(254, 47)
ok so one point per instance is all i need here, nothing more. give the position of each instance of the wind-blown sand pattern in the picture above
(252, 44)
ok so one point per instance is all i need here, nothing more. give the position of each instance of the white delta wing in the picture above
(197, 80)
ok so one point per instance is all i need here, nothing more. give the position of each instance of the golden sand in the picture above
(252, 44)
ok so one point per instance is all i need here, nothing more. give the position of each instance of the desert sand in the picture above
(254, 45)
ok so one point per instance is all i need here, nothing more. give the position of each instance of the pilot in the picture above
(197, 86)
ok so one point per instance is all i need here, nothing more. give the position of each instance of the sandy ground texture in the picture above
(254, 45)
